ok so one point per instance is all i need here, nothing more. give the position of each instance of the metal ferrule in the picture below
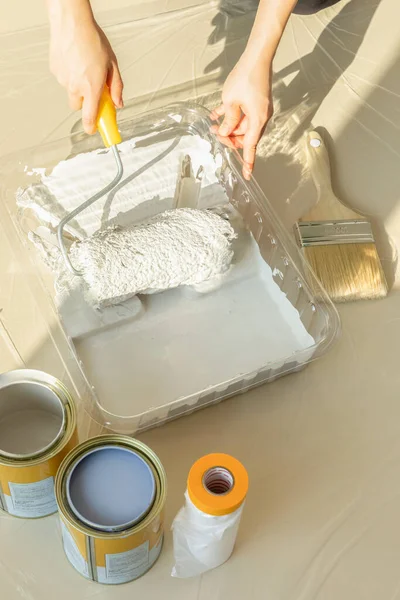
(325, 233)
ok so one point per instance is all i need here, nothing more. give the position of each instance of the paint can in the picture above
(111, 493)
(37, 430)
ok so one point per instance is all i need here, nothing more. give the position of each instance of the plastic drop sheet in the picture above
(323, 447)
(202, 542)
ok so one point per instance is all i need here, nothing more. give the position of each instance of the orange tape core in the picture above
(217, 484)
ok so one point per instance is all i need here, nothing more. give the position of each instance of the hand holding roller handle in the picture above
(107, 120)
(82, 59)
(107, 125)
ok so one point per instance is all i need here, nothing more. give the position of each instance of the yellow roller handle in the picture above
(107, 120)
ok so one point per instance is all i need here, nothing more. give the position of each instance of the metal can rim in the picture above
(68, 478)
(70, 419)
(110, 439)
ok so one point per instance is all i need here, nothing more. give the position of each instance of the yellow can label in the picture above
(121, 567)
(75, 548)
(114, 560)
(28, 491)
(30, 499)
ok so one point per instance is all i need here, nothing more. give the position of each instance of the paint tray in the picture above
(157, 357)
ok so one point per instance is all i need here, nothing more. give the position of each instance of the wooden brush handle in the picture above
(328, 207)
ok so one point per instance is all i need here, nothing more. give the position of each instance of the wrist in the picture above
(257, 56)
(65, 12)
(269, 25)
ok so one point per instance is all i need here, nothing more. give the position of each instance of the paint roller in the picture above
(182, 246)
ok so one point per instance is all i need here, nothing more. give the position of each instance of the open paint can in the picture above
(37, 430)
(111, 494)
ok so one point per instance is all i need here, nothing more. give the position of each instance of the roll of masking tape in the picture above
(206, 527)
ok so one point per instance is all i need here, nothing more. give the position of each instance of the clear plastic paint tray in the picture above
(157, 357)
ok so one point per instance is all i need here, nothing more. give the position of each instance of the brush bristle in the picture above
(348, 271)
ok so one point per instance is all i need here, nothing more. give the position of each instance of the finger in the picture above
(90, 109)
(227, 141)
(241, 128)
(75, 101)
(237, 141)
(233, 115)
(231, 142)
(238, 132)
(250, 142)
(115, 84)
(217, 112)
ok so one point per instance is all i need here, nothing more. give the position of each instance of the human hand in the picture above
(83, 61)
(246, 108)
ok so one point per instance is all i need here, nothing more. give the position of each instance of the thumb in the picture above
(232, 118)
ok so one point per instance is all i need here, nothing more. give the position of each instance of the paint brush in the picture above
(338, 243)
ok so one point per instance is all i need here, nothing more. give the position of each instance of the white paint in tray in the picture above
(152, 350)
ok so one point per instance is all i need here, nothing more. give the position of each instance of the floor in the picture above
(322, 447)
